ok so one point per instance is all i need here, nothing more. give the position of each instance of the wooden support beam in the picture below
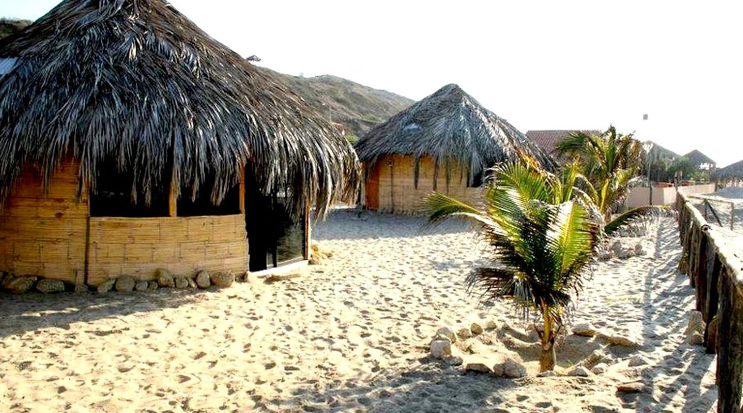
(172, 201)
(730, 347)
(242, 190)
(700, 272)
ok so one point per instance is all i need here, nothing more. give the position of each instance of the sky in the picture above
(538, 64)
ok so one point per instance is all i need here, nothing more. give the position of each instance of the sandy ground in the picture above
(351, 335)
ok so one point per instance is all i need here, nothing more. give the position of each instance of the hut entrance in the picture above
(372, 189)
(274, 238)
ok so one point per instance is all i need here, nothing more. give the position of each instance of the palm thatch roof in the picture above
(660, 152)
(697, 159)
(731, 171)
(548, 139)
(136, 82)
(449, 124)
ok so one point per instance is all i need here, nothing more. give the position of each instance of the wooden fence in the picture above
(717, 275)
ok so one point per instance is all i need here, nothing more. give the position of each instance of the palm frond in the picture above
(633, 215)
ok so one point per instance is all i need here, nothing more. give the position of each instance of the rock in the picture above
(141, 285)
(585, 330)
(695, 325)
(464, 333)
(509, 368)
(81, 288)
(282, 277)
(580, 371)
(153, 285)
(625, 253)
(637, 361)
(491, 325)
(7, 278)
(476, 329)
(636, 387)
(441, 348)
(241, 277)
(447, 332)
(599, 368)
(203, 280)
(191, 283)
(479, 367)
(616, 247)
(20, 285)
(639, 250)
(180, 282)
(684, 265)
(695, 339)
(594, 358)
(223, 279)
(712, 333)
(106, 286)
(618, 340)
(454, 360)
(604, 255)
(164, 278)
(3, 275)
(125, 283)
(547, 373)
(50, 286)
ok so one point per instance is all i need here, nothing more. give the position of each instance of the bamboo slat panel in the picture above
(139, 246)
(43, 232)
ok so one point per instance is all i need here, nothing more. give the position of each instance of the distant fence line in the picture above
(717, 275)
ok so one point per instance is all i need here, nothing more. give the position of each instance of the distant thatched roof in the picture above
(697, 158)
(449, 123)
(660, 152)
(731, 171)
(547, 140)
(137, 82)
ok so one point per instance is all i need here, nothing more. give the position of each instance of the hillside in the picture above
(8, 26)
(355, 106)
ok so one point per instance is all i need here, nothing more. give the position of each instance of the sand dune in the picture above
(352, 334)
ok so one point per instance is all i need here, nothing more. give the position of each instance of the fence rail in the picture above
(716, 273)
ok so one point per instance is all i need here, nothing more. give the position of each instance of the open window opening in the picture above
(113, 195)
(476, 180)
(202, 204)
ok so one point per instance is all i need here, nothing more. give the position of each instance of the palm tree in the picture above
(543, 240)
(610, 162)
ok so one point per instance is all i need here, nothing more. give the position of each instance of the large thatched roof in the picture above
(137, 82)
(697, 159)
(449, 124)
(734, 170)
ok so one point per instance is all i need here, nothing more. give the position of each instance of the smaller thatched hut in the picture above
(446, 142)
(731, 174)
(700, 160)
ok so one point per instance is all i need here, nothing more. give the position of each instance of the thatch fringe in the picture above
(137, 83)
(732, 171)
(449, 124)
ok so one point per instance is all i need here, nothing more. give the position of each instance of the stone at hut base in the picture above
(180, 282)
(635, 387)
(223, 279)
(203, 280)
(696, 339)
(491, 325)
(50, 286)
(81, 288)
(153, 285)
(579, 371)
(476, 329)
(454, 360)
(510, 368)
(125, 283)
(547, 373)
(20, 285)
(141, 285)
(106, 286)
(695, 325)
(191, 283)
(164, 278)
(447, 332)
(441, 348)
(639, 250)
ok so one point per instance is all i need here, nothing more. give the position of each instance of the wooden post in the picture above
(701, 272)
(242, 190)
(730, 347)
(713, 296)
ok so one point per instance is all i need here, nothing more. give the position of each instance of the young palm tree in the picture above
(609, 161)
(543, 240)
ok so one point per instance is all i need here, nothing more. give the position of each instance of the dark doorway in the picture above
(274, 237)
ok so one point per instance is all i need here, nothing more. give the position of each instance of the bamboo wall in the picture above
(182, 245)
(44, 234)
(397, 191)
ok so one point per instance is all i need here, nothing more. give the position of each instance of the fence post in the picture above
(712, 300)
(730, 347)
(701, 271)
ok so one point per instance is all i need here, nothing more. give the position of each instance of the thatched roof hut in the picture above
(699, 159)
(448, 130)
(131, 94)
(731, 172)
